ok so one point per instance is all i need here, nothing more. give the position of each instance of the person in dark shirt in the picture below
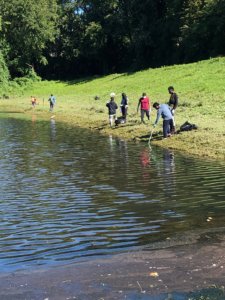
(112, 107)
(173, 103)
(52, 102)
(145, 104)
(124, 106)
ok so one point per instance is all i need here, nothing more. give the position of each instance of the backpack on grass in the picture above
(188, 126)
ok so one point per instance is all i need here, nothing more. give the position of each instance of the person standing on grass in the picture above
(145, 104)
(173, 103)
(52, 101)
(164, 111)
(33, 101)
(124, 106)
(112, 107)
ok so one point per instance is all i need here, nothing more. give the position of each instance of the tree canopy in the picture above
(71, 38)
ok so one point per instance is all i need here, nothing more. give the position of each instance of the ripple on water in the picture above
(68, 194)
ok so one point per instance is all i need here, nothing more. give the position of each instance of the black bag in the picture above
(120, 120)
(188, 126)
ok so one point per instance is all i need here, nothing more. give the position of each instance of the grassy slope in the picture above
(201, 90)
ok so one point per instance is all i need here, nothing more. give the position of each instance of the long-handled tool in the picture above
(150, 137)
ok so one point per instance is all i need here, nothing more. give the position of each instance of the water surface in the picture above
(70, 193)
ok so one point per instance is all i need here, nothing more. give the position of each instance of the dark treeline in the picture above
(73, 38)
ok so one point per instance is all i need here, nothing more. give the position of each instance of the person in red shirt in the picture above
(145, 104)
(33, 101)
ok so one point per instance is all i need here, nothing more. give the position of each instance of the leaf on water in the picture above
(154, 274)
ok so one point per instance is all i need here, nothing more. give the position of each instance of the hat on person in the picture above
(112, 95)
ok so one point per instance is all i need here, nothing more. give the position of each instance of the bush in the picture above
(32, 75)
(4, 72)
(26, 81)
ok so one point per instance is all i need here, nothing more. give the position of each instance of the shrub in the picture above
(4, 72)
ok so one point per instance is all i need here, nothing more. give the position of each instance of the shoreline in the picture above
(199, 86)
(191, 143)
(186, 270)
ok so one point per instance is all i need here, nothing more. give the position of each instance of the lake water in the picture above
(68, 194)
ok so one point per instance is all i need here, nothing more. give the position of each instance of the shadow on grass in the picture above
(91, 78)
(123, 75)
(155, 137)
(82, 80)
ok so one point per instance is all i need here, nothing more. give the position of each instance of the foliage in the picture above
(27, 26)
(4, 72)
(203, 29)
(67, 39)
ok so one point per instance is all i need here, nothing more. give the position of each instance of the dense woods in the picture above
(73, 38)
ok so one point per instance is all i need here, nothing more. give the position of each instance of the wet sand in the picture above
(141, 274)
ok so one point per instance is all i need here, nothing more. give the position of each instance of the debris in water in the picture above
(142, 291)
(154, 274)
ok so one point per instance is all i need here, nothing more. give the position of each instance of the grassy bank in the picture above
(200, 87)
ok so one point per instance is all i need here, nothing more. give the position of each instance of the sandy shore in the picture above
(144, 274)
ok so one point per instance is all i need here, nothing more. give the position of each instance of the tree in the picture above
(4, 72)
(27, 26)
(203, 29)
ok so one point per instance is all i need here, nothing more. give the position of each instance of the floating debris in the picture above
(154, 274)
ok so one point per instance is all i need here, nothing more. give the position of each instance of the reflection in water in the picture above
(145, 158)
(167, 173)
(34, 119)
(53, 129)
(74, 193)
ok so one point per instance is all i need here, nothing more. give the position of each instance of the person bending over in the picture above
(164, 111)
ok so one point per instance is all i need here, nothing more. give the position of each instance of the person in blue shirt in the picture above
(164, 111)
(52, 101)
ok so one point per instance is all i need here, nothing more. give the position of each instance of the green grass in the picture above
(201, 90)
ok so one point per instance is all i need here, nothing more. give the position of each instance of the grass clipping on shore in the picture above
(200, 87)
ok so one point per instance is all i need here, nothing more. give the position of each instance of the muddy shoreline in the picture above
(145, 274)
